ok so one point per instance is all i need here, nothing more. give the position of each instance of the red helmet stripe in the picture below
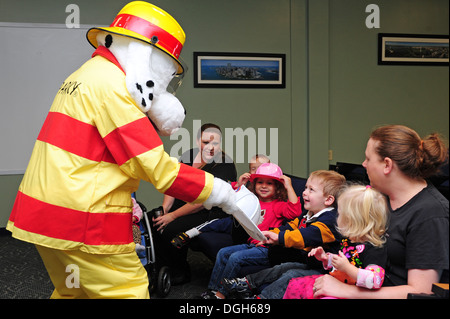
(149, 30)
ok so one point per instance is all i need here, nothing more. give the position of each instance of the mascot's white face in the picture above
(148, 73)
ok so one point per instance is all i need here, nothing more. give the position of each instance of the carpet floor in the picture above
(23, 275)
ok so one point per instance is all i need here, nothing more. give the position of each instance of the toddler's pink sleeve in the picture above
(137, 211)
(371, 277)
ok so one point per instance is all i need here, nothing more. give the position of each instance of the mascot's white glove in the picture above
(223, 196)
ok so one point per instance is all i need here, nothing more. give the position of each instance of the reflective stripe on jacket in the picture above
(93, 149)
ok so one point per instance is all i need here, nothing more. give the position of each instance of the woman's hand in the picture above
(162, 221)
(327, 285)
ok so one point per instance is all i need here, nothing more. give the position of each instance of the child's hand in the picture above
(286, 181)
(340, 262)
(319, 253)
(292, 196)
(243, 179)
(271, 238)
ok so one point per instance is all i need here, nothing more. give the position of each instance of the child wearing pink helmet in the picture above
(278, 201)
(221, 225)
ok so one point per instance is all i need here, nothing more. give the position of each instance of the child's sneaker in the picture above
(237, 287)
(180, 240)
(209, 294)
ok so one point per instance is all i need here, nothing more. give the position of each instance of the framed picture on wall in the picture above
(412, 49)
(239, 70)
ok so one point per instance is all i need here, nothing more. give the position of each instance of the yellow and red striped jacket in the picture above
(93, 149)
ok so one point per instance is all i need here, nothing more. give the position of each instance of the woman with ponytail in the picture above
(398, 162)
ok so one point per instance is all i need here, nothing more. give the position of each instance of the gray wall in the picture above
(335, 91)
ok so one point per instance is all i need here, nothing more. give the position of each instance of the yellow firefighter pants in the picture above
(76, 274)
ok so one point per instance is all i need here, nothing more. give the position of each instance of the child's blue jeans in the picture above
(230, 260)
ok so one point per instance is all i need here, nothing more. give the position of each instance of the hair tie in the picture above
(368, 186)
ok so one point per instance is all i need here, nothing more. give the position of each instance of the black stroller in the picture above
(159, 277)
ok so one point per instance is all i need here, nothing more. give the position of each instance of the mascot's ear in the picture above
(104, 38)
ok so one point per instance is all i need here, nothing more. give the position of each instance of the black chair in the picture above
(298, 183)
(441, 179)
(357, 173)
(438, 291)
(352, 172)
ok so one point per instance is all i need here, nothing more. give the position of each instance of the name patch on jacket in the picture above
(69, 88)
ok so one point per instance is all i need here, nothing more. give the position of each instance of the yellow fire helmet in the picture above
(146, 22)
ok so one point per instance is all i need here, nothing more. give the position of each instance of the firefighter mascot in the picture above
(100, 138)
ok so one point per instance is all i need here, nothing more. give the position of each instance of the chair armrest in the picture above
(439, 291)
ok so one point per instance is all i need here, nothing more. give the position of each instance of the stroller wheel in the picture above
(163, 284)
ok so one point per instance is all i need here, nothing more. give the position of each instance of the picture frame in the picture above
(413, 49)
(239, 70)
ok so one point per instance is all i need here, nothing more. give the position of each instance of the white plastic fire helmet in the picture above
(249, 204)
